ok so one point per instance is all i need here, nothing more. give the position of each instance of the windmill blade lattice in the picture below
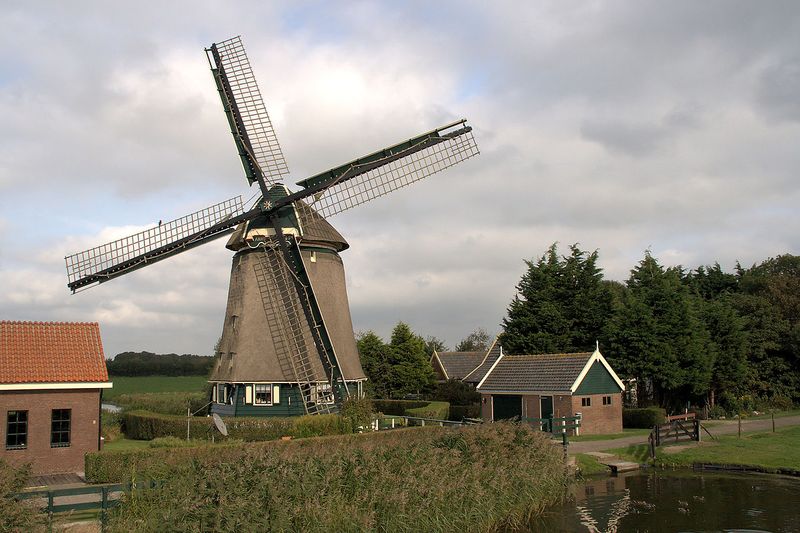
(383, 172)
(252, 120)
(114, 258)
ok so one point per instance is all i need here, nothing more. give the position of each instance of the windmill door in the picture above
(505, 406)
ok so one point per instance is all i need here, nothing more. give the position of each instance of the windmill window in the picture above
(60, 423)
(234, 319)
(17, 430)
(263, 395)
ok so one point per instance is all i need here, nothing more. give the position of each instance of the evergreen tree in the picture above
(410, 370)
(375, 361)
(561, 305)
(659, 338)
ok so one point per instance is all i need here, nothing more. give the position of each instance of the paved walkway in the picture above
(716, 427)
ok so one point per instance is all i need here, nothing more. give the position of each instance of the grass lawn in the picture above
(589, 465)
(625, 433)
(123, 444)
(133, 385)
(768, 450)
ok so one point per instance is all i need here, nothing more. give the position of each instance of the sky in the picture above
(672, 127)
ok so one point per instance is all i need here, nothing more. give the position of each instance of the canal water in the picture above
(679, 500)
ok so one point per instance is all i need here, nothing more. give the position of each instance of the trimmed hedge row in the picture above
(146, 425)
(481, 478)
(168, 403)
(460, 412)
(436, 410)
(643, 418)
(419, 408)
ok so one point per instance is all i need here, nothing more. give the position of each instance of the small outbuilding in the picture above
(455, 365)
(51, 378)
(554, 385)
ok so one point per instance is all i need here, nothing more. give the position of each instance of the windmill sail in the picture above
(251, 126)
(387, 170)
(115, 258)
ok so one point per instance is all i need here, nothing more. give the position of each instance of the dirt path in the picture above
(716, 427)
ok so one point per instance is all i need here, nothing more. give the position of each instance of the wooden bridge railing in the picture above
(679, 428)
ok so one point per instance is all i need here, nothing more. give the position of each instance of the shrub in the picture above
(456, 392)
(643, 418)
(144, 425)
(716, 412)
(460, 412)
(358, 411)
(396, 407)
(435, 410)
(17, 515)
(168, 403)
(425, 479)
(419, 408)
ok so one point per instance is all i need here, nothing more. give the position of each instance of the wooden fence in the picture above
(70, 500)
(556, 425)
(679, 428)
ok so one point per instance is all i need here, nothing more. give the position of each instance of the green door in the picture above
(506, 407)
(547, 412)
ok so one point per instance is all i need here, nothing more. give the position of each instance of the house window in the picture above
(606, 400)
(17, 430)
(263, 395)
(586, 402)
(322, 394)
(60, 422)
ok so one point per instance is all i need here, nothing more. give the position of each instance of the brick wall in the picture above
(84, 431)
(599, 419)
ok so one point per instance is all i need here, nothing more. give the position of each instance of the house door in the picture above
(546, 411)
(505, 407)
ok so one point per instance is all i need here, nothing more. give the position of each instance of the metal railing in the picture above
(391, 422)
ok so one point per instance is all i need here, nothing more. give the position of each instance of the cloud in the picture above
(621, 127)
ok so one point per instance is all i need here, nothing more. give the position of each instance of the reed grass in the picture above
(480, 478)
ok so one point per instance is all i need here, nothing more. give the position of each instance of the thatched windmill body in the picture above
(287, 343)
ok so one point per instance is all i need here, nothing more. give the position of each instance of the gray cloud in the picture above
(619, 126)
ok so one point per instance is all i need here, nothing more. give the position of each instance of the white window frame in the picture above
(264, 387)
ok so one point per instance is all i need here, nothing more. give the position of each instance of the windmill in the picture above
(287, 344)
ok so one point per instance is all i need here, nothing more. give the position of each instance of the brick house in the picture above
(554, 385)
(51, 379)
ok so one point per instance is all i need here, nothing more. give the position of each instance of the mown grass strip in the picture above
(770, 451)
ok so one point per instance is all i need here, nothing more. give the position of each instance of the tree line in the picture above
(402, 366)
(702, 336)
(153, 364)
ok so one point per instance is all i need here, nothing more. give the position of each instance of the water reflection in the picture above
(679, 501)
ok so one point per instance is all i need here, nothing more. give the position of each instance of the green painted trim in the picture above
(597, 381)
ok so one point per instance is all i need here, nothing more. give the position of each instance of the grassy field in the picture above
(123, 444)
(767, 450)
(133, 385)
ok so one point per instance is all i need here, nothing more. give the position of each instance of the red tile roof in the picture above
(51, 352)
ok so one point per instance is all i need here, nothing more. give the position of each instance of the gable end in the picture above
(597, 380)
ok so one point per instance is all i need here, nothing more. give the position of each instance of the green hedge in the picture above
(436, 410)
(396, 407)
(481, 478)
(168, 403)
(643, 418)
(420, 408)
(460, 412)
(145, 425)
